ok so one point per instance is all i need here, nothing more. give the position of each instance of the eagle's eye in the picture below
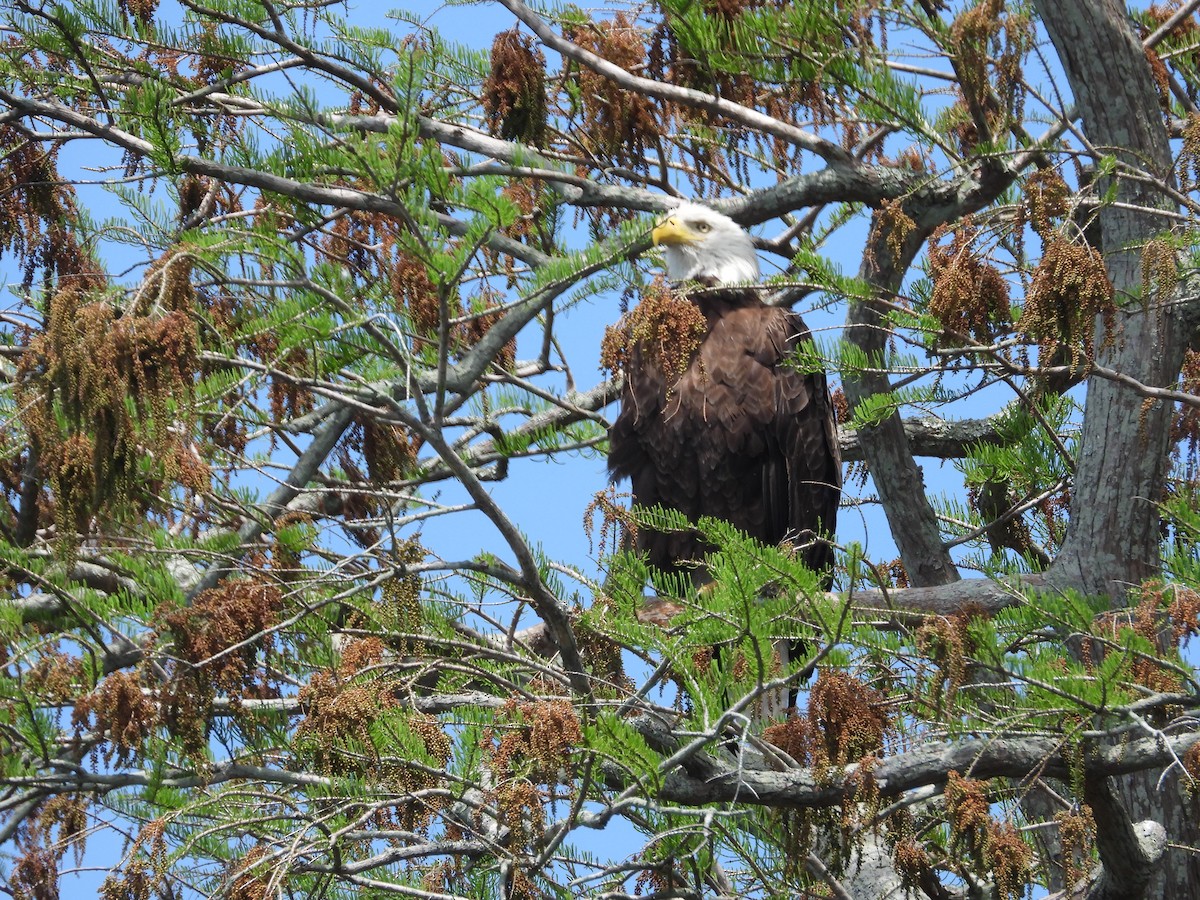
(703, 227)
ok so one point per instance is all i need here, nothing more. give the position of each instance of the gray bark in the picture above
(1129, 852)
(1113, 540)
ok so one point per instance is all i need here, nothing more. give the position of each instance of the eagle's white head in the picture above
(703, 245)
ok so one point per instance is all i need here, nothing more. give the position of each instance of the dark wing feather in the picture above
(739, 436)
(807, 429)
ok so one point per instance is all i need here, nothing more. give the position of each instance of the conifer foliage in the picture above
(289, 286)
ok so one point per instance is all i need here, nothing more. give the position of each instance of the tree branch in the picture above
(673, 93)
(701, 780)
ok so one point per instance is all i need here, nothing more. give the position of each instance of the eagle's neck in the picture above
(714, 262)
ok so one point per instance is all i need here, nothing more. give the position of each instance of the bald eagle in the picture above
(740, 436)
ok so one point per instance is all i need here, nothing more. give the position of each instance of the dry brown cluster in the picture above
(514, 93)
(618, 526)
(389, 450)
(519, 807)
(665, 328)
(104, 394)
(537, 739)
(1161, 614)
(212, 62)
(846, 722)
(360, 654)
(1069, 289)
(989, 43)
(121, 710)
(521, 887)
(532, 226)
(338, 733)
(851, 717)
(531, 744)
(336, 729)
(390, 455)
(362, 102)
(659, 880)
(1182, 605)
(897, 573)
(202, 637)
(895, 225)
(1077, 835)
(968, 810)
(993, 499)
(672, 62)
(798, 98)
(1054, 512)
(429, 729)
(373, 248)
(415, 811)
(192, 192)
(141, 10)
(54, 678)
(34, 874)
(34, 205)
(970, 296)
(485, 311)
(143, 876)
(972, 32)
(1185, 428)
(416, 292)
(1181, 43)
(1046, 199)
(911, 861)
(402, 601)
(1189, 154)
(1184, 31)
(620, 124)
(237, 613)
(135, 881)
(1191, 764)
(1009, 857)
(1160, 270)
(946, 642)
(289, 397)
(250, 876)
(1161, 76)
(603, 656)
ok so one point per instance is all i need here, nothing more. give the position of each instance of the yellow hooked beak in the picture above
(671, 231)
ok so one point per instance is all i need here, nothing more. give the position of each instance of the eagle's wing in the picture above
(802, 475)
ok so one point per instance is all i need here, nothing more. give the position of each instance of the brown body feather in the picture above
(739, 437)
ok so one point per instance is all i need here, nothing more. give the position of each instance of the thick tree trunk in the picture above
(898, 479)
(1113, 540)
